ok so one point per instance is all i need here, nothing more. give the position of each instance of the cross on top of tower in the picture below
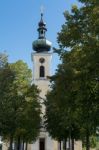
(42, 10)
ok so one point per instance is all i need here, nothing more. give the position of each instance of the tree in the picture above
(19, 104)
(61, 104)
(28, 120)
(75, 82)
(80, 33)
(6, 80)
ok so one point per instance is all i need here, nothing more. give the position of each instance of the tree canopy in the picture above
(19, 103)
(75, 86)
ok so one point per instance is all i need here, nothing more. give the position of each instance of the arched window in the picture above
(42, 71)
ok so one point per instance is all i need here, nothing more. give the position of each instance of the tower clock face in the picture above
(41, 60)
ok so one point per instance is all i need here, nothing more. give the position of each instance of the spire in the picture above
(42, 28)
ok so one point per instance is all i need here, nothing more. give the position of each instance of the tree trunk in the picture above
(26, 146)
(69, 144)
(87, 141)
(18, 143)
(65, 144)
(60, 144)
(23, 145)
(72, 144)
(11, 142)
(70, 139)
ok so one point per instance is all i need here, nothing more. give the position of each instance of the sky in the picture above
(19, 22)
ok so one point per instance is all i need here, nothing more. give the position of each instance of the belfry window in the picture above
(42, 71)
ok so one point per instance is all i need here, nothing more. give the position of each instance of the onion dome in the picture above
(41, 44)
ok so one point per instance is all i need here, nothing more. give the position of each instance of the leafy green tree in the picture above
(28, 120)
(80, 33)
(6, 80)
(74, 88)
(61, 104)
(19, 104)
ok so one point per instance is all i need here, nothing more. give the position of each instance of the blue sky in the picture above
(19, 21)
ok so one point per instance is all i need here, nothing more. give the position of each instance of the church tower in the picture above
(41, 58)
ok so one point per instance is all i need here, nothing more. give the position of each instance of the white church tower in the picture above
(41, 58)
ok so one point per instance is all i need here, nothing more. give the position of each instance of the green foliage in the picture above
(75, 86)
(3, 59)
(19, 103)
(28, 121)
(93, 141)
